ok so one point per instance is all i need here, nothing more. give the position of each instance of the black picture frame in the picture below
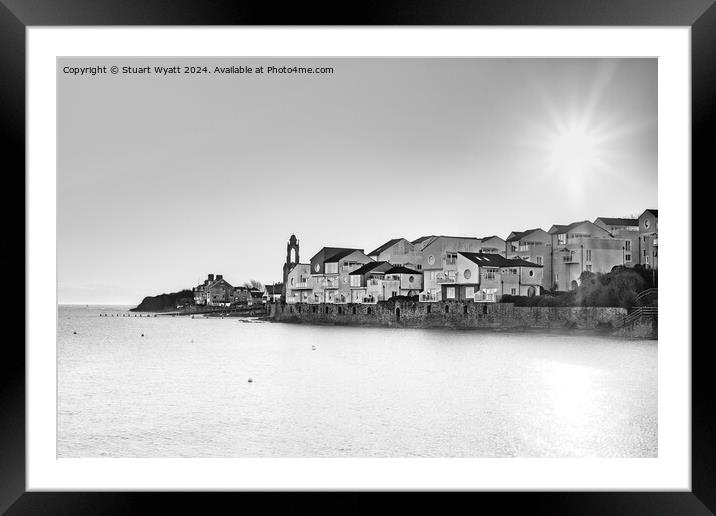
(17, 15)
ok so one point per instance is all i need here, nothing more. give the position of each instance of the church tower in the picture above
(291, 260)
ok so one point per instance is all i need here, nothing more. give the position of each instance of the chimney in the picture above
(218, 277)
(211, 277)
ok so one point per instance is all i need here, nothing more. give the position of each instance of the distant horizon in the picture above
(182, 176)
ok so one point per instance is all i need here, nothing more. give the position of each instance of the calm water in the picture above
(182, 391)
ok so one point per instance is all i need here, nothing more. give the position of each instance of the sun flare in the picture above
(573, 150)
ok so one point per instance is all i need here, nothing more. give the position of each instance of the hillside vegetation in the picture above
(618, 288)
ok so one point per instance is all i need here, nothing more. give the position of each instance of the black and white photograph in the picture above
(357, 257)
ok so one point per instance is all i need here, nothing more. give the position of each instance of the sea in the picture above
(140, 385)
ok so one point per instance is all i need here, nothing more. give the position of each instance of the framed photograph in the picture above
(405, 250)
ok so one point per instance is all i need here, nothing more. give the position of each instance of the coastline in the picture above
(456, 315)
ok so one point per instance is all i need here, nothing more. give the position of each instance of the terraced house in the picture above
(367, 282)
(627, 229)
(215, 291)
(486, 277)
(440, 261)
(532, 245)
(330, 273)
(582, 246)
(298, 283)
(398, 251)
(649, 239)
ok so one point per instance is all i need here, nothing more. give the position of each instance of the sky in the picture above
(162, 180)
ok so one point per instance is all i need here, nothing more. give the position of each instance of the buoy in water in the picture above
(74, 333)
(251, 380)
(142, 335)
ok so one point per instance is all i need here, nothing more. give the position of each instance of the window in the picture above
(513, 291)
(411, 279)
(627, 245)
(489, 273)
(588, 267)
(538, 260)
(431, 259)
(355, 280)
(332, 268)
(644, 253)
(532, 272)
(469, 292)
(588, 254)
(419, 267)
(450, 292)
(627, 257)
(467, 274)
(451, 258)
(562, 239)
(429, 307)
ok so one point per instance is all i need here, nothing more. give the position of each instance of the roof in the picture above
(559, 228)
(217, 282)
(435, 237)
(276, 288)
(387, 245)
(497, 260)
(610, 221)
(400, 269)
(519, 235)
(489, 237)
(366, 268)
(338, 253)
(256, 293)
(653, 212)
(422, 239)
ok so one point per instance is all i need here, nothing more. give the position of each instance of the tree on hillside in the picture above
(253, 285)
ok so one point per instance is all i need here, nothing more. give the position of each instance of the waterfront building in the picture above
(486, 277)
(366, 282)
(402, 281)
(330, 273)
(649, 239)
(492, 245)
(298, 284)
(215, 291)
(398, 251)
(439, 255)
(532, 245)
(579, 247)
(626, 229)
(241, 296)
(256, 297)
(272, 293)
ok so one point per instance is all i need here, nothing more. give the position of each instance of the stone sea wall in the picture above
(451, 314)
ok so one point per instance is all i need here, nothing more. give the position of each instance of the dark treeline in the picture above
(618, 288)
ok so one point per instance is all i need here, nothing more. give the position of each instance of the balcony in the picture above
(329, 283)
(371, 300)
(429, 297)
(442, 277)
(300, 285)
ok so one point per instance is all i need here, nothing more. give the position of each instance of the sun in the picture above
(573, 149)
